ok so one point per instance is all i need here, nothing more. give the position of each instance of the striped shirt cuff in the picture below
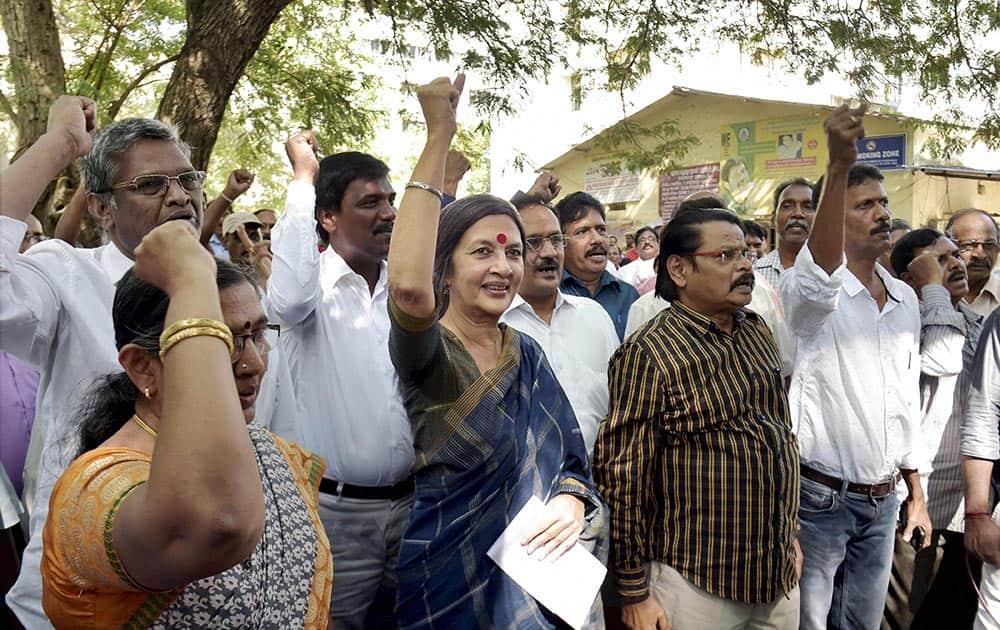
(633, 586)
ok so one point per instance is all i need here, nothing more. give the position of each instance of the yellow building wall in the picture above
(703, 116)
(935, 198)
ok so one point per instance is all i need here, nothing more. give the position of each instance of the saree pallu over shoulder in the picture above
(509, 436)
(285, 582)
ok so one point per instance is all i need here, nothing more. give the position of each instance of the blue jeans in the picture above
(847, 541)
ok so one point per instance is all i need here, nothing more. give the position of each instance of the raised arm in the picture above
(942, 327)
(411, 253)
(294, 290)
(826, 242)
(69, 134)
(238, 183)
(29, 306)
(68, 227)
(202, 510)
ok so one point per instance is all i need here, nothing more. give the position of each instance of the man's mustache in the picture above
(956, 276)
(881, 227)
(799, 224)
(546, 264)
(597, 249)
(746, 279)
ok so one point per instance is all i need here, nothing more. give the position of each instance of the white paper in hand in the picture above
(567, 587)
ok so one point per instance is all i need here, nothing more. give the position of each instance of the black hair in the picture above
(905, 249)
(683, 235)
(139, 311)
(753, 228)
(575, 206)
(798, 181)
(899, 224)
(858, 174)
(456, 219)
(965, 212)
(701, 203)
(646, 228)
(336, 172)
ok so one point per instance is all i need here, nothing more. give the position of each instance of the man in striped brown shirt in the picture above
(697, 459)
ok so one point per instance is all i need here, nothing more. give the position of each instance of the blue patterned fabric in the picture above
(514, 436)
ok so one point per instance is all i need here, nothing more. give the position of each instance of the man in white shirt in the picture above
(55, 312)
(647, 243)
(577, 335)
(854, 393)
(933, 590)
(978, 239)
(334, 309)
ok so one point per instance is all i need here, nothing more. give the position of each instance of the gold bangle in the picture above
(426, 188)
(193, 322)
(188, 333)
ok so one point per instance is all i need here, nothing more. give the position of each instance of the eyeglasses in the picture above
(537, 243)
(263, 339)
(33, 238)
(152, 185)
(728, 255)
(988, 246)
(647, 239)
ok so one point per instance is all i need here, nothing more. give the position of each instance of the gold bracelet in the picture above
(193, 322)
(188, 333)
(426, 188)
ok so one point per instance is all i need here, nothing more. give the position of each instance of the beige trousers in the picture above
(691, 608)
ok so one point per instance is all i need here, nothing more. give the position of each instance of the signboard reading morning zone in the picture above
(885, 152)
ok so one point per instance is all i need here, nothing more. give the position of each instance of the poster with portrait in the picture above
(759, 153)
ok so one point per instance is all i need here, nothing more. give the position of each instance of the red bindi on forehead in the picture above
(501, 238)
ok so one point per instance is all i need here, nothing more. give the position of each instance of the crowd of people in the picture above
(800, 436)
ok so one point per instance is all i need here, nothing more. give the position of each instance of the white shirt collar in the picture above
(113, 261)
(519, 303)
(339, 269)
(853, 286)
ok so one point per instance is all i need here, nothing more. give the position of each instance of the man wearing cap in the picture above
(241, 234)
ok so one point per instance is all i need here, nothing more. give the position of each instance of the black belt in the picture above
(873, 490)
(383, 493)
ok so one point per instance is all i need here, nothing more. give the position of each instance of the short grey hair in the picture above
(100, 166)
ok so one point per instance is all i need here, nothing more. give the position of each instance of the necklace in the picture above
(142, 425)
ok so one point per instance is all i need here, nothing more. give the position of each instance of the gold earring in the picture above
(146, 392)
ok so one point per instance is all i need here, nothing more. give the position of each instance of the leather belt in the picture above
(372, 493)
(873, 490)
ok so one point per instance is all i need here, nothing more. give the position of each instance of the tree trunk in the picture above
(36, 65)
(223, 36)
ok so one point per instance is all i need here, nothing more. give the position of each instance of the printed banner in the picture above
(758, 154)
(623, 186)
(676, 185)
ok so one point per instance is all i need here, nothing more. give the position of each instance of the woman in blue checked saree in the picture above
(491, 425)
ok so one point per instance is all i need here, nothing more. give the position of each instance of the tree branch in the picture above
(117, 104)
